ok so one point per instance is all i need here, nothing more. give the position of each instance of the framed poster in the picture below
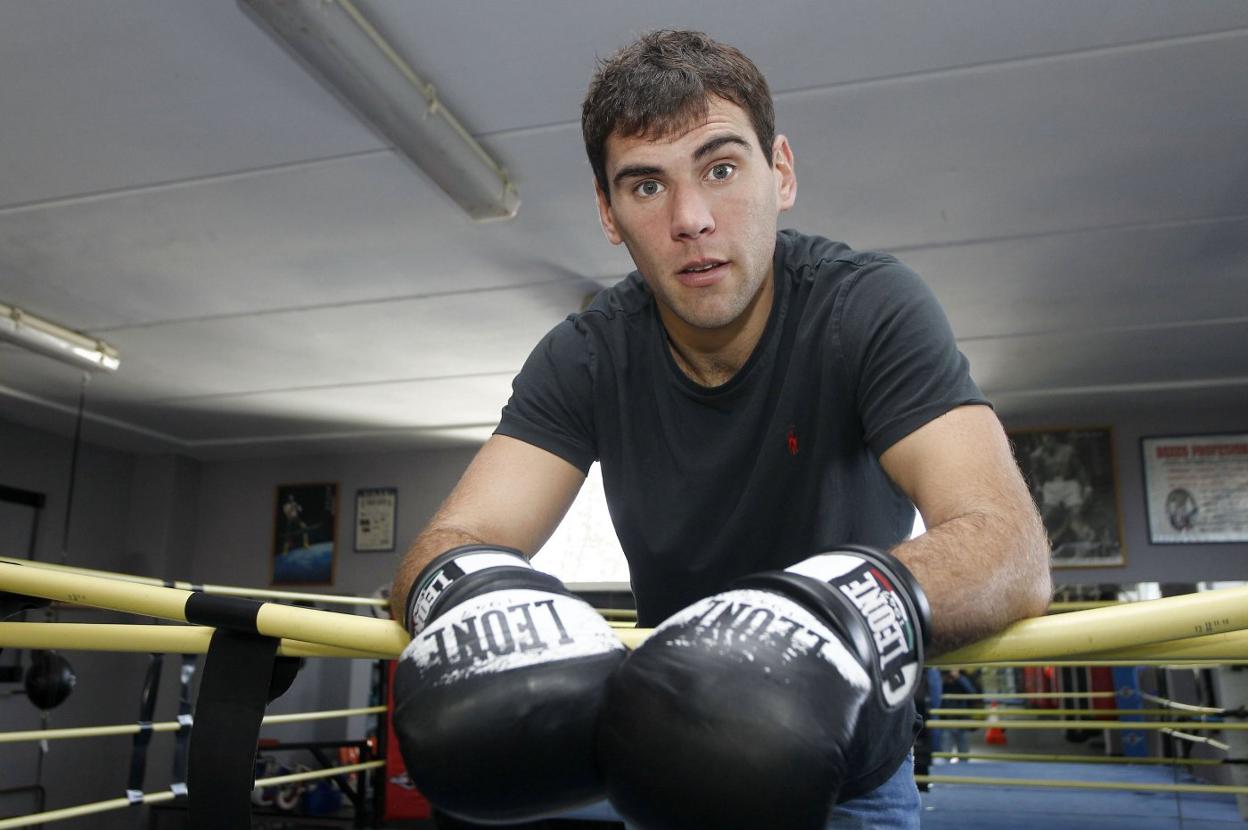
(1072, 478)
(1196, 488)
(374, 519)
(304, 525)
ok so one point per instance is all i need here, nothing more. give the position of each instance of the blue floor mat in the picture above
(974, 807)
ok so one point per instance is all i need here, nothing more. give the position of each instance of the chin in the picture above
(709, 319)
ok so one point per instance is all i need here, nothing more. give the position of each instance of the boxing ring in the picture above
(248, 635)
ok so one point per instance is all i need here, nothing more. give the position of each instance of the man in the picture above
(954, 682)
(295, 526)
(753, 397)
(1061, 485)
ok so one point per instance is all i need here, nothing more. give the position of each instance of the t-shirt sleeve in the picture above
(904, 364)
(551, 403)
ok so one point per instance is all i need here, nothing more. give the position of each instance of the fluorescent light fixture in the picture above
(47, 338)
(340, 46)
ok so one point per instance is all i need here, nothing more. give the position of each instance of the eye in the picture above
(721, 172)
(648, 188)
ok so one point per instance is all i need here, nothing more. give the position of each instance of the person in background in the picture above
(954, 682)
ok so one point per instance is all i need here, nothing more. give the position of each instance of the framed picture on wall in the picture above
(1072, 477)
(374, 519)
(1196, 488)
(304, 528)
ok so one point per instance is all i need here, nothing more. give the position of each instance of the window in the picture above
(584, 547)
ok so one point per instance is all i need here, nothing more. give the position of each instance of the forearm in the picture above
(435, 539)
(981, 572)
(512, 495)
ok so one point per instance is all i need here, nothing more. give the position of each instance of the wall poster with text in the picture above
(304, 525)
(1196, 488)
(1072, 477)
(374, 519)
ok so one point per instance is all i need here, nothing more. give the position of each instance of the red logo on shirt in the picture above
(791, 440)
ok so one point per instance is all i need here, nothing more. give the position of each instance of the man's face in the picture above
(697, 211)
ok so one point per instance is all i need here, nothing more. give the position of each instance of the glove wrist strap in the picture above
(446, 569)
(890, 604)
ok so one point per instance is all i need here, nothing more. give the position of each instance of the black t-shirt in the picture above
(706, 485)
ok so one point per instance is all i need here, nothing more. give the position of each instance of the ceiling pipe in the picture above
(56, 341)
(347, 53)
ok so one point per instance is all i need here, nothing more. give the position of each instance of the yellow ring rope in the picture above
(1198, 726)
(1024, 695)
(168, 639)
(1076, 759)
(1015, 712)
(1081, 785)
(167, 795)
(218, 590)
(1167, 628)
(170, 726)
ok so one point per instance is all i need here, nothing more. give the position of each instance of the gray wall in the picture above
(235, 526)
(39, 461)
(108, 684)
(173, 517)
(1129, 423)
(236, 505)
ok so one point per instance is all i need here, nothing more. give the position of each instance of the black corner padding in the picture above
(238, 676)
(232, 613)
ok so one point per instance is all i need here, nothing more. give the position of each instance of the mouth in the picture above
(702, 272)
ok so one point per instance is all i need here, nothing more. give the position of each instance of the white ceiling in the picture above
(1071, 177)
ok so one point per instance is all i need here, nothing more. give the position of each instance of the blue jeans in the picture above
(959, 740)
(894, 805)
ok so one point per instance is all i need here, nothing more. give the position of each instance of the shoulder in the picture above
(830, 265)
(627, 299)
(620, 302)
(798, 251)
(606, 326)
(615, 322)
(848, 288)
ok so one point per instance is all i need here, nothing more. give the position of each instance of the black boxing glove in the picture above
(767, 704)
(498, 693)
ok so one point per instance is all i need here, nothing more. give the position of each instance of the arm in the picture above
(497, 694)
(984, 560)
(512, 494)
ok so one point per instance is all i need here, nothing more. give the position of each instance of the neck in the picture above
(711, 357)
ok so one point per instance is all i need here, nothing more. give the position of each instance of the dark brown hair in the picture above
(661, 84)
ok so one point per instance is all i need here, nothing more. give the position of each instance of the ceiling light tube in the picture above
(48, 338)
(334, 40)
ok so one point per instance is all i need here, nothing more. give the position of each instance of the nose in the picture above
(691, 214)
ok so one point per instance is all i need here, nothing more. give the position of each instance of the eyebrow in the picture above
(715, 143)
(638, 171)
(634, 171)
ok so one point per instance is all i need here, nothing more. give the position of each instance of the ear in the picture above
(605, 216)
(786, 178)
